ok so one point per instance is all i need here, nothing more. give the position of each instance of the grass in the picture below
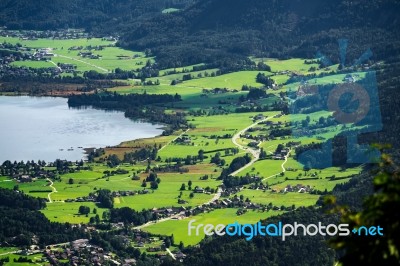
(232, 80)
(110, 59)
(35, 260)
(280, 199)
(295, 64)
(167, 193)
(68, 212)
(33, 64)
(179, 228)
(205, 126)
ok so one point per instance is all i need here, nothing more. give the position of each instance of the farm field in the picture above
(231, 81)
(67, 212)
(213, 121)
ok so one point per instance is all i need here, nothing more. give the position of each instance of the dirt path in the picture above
(180, 135)
(170, 253)
(53, 188)
(282, 166)
(74, 59)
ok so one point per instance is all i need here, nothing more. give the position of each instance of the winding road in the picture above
(53, 188)
(254, 152)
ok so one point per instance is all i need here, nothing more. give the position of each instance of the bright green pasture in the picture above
(68, 212)
(232, 80)
(179, 228)
(168, 191)
(279, 199)
(294, 64)
(179, 69)
(35, 260)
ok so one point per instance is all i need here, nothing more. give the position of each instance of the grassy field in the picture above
(179, 228)
(279, 199)
(68, 212)
(35, 260)
(111, 57)
(232, 80)
(33, 64)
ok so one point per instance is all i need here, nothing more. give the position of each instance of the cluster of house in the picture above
(81, 252)
(67, 68)
(296, 188)
(90, 55)
(43, 54)
(184, 139)
(349, 78)
(218, 90)
(34, 35)
(115, 194)
(281, 155)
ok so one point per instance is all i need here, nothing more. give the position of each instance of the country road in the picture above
(254, 152)
(53, 188)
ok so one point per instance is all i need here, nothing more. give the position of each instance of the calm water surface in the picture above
(33, 128)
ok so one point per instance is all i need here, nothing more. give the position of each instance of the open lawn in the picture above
(64, 212)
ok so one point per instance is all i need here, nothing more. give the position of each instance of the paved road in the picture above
(254, 152)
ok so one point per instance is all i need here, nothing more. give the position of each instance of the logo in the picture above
(249, 231)
(349, 100)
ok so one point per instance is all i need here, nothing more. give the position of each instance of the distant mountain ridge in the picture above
(93, 15)
(210, 30)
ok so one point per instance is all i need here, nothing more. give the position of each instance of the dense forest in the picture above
(92, 15)
(135, 106)
(204, 32)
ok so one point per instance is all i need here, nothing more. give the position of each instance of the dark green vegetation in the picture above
(92, 15)
(20, 220)
(206, 33)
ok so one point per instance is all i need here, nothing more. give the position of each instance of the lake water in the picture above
(33, 128)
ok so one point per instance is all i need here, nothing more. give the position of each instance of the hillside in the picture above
(206, 31)
(95, 15)
(213, 30)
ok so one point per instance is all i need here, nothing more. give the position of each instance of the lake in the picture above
(45, 128)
